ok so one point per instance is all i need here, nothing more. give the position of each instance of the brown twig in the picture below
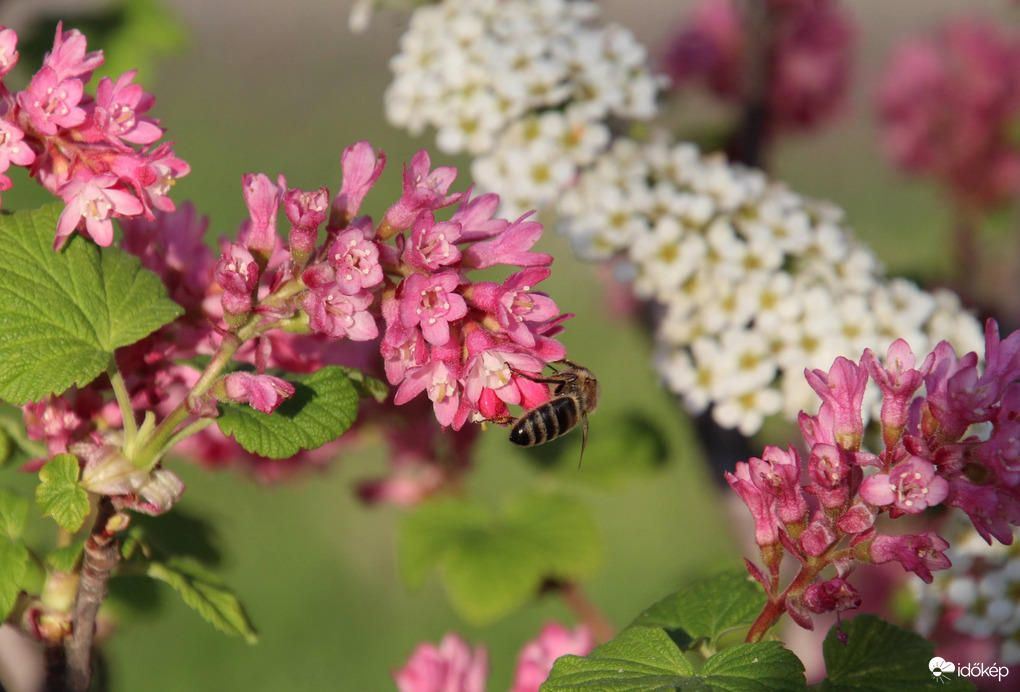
(101, 556)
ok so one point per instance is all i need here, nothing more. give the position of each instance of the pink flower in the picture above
(779, 475)
(306, 211)
(262, 197)
(807, 52)
(118, 110)
(918, 554)
(356, 260)
(432, 303)
(95, 199)
(761, 506)
(361, 168)
(339, 315)
(237, 273)
(12, 147)
(68, 58)
(514, 305)
(450, 667)
(262, 392)
(51, 103)
(424, 190)
(440, 379)
(432, 245)
(898, 381)
(511, 246)
(537, 657)
(842, 390)
(910, 487)
(835, 594)
(8, 51)
(947, 105)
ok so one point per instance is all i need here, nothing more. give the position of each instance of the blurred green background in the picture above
(278, 87)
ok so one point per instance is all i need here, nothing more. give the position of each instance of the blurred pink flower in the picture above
(537, 657)
(450, 667)
(809, 54)
(947, 107)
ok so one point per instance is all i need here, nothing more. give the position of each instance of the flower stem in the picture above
(597, 623)
(127, 412)
(100, 557)
(165, 434)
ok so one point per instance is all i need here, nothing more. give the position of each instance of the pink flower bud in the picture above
(262, 392)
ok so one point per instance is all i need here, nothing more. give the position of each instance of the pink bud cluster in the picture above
(454, 667)
(952, 443)
(95, 153)
(948, 107)
(809, 54)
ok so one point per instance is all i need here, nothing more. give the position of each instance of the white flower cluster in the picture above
(756, 282)
(981, 594)
(525, 87)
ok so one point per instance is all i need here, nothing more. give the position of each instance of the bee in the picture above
(576, 394)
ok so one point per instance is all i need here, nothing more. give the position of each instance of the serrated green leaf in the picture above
(706, 609)
(755, 667)
(493, 563)
(65, 559)
(322, 409)
(206, 593)
(62, 314)
(59, 495)
(639, 659)
(5, 447)
(13, 513)
(14, 558)
(880, 657)
(645, 659)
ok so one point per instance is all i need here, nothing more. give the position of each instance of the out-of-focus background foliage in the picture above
(283, 87)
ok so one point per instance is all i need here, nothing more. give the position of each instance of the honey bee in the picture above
(576, 394)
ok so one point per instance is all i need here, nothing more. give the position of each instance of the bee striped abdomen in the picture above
(547, 422)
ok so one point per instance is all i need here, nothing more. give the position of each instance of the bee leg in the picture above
(500, 420)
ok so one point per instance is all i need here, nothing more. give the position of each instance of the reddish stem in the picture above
(602, 630)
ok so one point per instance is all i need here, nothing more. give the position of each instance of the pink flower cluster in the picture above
(956, 444)
(948, 108)
(395, 300)
(80, 148)
(465, 343)
(454, 667)
(809, 49)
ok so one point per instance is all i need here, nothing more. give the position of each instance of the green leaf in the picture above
(880, 657)
(207, 594)
(707, 609)
(639, 659)
(367, 387)
(59, 494)
(492, 564)
(645, 659)
(322, 409)
(62, 314)
(14, 558)
(758, 666)
(13, 512)
(66, 559)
